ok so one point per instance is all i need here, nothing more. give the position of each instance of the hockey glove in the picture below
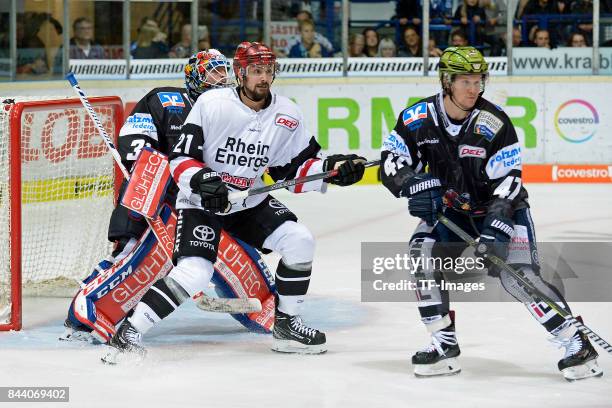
(212, 189)
(424, 194)
(495, 238)
(350, 168)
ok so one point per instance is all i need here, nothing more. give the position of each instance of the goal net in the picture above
(56, 195)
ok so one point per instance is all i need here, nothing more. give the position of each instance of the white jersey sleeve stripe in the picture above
(182, 169)
(310, 166)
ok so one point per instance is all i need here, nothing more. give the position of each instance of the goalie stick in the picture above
(293, 182)
(528, 286)
(204, 302)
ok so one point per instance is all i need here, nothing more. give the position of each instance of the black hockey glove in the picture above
(212, 189)
(350, 168)
(497, 232)
(424, 194)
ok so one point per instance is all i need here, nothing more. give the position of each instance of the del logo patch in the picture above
(286, 121)
(171, 99)
(472, 151)
(415, 114)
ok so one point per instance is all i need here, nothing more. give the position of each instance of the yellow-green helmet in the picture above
(461, 61)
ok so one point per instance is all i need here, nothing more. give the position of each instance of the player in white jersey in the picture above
(230, 138)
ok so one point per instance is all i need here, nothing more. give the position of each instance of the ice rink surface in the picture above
(199, 359)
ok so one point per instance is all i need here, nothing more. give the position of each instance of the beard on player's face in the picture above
(256, 90)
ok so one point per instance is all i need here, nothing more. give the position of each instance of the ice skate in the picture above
(290, 335)
(125, 346)
(440, 357)
(580, 360)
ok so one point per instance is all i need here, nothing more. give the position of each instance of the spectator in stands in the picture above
(471, 12)
(495, 27)
(31, 55)
(150, 42)
(517, 40)
(433, 49)
(412, 43)
(307, 46)
(182, 49)
(541, 38)
(50, 32)
(410, 12)
(387, 48)
(371, 42)
(576, 40)
(458, 38)
(82, 45)
(305, 15)
(204, 42)
(586, 7)
(533, 7)
(356, 45)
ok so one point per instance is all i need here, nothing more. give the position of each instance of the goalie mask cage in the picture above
(56, 195)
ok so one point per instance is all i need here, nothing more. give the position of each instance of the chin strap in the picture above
(457, 105)
(242, 91)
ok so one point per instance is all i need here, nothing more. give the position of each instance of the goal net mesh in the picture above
(67, 191)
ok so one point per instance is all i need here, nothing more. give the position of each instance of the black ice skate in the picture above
(290, 335)
(126, 345)
(440, 357)
(580, 360)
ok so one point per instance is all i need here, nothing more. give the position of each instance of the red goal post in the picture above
(57, 190)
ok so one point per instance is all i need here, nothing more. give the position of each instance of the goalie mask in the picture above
(206, 70)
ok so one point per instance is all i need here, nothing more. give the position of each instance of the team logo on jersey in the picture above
(204, 233)
(274, 203)
(472, 151)
(286, 121)
(413, 116)
(394, 143)
(487, 125)
(171, 100)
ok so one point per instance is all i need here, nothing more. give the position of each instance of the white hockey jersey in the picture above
(240, 144)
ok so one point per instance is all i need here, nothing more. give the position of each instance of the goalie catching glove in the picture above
(350, 168)
(211, 189)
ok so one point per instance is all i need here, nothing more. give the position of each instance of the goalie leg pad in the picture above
(107, 298)
(240, 272)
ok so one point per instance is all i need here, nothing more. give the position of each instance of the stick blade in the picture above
(227, 305)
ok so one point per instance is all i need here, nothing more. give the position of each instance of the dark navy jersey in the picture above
(480, 156)
(155, 121)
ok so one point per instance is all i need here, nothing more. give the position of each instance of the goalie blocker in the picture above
(114, 289)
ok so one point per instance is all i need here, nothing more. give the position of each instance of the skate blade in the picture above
(448, 366)
(581, 372)
(290, 346)
(76, 335)
(115, 356)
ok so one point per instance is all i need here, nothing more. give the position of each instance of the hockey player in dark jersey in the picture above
(458, 153)
(156, 122)
(229, 140)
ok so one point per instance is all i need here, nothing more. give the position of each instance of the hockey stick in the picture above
(528, 285)
(288, 183)
(158, 227)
